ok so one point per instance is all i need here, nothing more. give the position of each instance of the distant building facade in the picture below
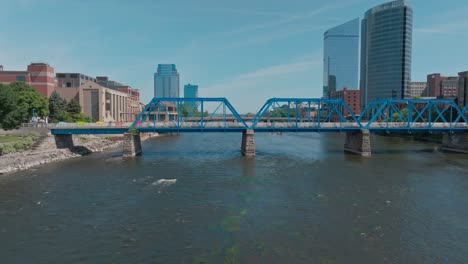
(341, 57)
(352, 98)
(441, 86)
(39, 76)
(463, 88)
(416, 89)
(434, 84)
(191, 91)
(103, 104)
(72, 80)
(166, 81)
(449, 87)
(105, 82)
(386, 46)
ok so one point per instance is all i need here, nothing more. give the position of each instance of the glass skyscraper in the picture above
(386, 41)
(191, 91)
(166, 81)
(341, 58)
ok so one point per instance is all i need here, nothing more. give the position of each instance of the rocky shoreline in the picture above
(46, 152)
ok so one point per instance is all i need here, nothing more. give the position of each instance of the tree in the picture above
(10, 113)
(30, 99)
(73, 107)
(56, 106)
(17, 102)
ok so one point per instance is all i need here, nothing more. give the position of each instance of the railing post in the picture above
(297, 115)
(224, 115)
(410, 114)
(318, 113)
(202, 113)
(429, 119)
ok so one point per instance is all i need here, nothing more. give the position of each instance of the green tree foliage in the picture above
(73, 107)
(57, 106)
(191, 111)
(17, 102)
(282, 112)
(80, 117)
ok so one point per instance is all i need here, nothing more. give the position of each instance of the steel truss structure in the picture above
(414, 115)
(304, 115)
(291, 115)
(189, 115)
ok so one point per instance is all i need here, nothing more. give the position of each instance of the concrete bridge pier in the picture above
(455, 142)
(358, 143)
(63, 141)
(131, 145)
(248, 143)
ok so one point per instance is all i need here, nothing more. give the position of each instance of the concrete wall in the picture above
(69, 93)
(358, 143)
(248, 143)
(131, 145)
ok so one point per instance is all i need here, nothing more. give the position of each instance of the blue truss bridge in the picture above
(203, 115)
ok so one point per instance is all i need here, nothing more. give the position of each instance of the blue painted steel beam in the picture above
(88, 131)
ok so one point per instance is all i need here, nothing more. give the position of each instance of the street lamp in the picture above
(33, 119)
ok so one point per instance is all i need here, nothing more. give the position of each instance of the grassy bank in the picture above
(16, 143)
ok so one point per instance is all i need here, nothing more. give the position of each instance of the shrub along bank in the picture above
(12, 144)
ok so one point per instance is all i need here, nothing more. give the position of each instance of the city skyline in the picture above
(265, 51)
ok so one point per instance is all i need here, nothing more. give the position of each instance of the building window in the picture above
(21, 78)
(61, 75)
(69, 84)
(74, 76)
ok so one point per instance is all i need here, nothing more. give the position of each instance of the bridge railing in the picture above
(91, 125)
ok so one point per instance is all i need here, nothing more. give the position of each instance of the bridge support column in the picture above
(131, 145)
(63, 141)
(248, 143)
(455, 142)
(358, 143)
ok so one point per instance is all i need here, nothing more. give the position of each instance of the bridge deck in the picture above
(268, 127)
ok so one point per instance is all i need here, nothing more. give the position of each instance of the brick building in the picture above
(442, 87)
(462, 88)
(39, 76)
(352, 98)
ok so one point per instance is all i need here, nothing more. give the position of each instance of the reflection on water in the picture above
(194, 199)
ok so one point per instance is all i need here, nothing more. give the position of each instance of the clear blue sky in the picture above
(244, 50)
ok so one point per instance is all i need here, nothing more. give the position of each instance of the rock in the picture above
(164, 182)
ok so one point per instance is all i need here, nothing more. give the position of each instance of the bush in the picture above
(20, 145)
(80, 117)
(134, 131)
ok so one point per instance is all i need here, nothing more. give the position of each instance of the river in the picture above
(300, 200)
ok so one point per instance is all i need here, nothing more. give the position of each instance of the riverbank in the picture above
(46, 152)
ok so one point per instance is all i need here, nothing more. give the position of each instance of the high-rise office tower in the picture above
(341, 58)
(166, 81)
(191, 91)
(386, 41)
